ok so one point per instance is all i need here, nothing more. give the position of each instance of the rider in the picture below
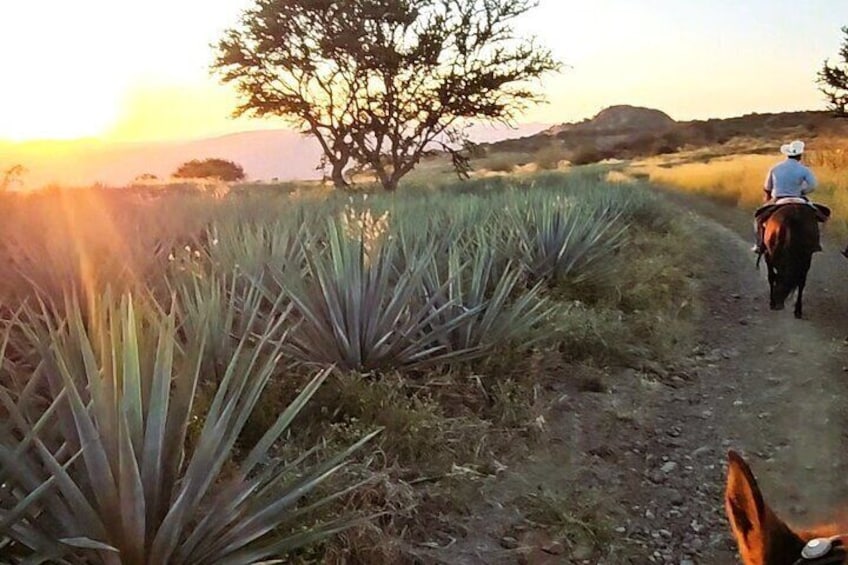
(786, 179)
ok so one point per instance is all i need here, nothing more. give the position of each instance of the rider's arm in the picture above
(768, 186)
(810, 180)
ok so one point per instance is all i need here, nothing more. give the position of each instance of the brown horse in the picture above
(762, 537)
(791, 236)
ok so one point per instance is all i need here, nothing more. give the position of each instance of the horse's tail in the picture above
(792, 247)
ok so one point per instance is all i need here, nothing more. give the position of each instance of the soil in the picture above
(635, 473)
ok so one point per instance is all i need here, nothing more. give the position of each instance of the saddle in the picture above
(766, 210)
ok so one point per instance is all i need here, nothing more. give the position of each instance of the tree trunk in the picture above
(390, 183)
(337, 176)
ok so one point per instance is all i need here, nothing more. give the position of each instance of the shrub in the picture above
(395, 307)
(548, 158)
(586, 155)
(224, 170)
(503, 163)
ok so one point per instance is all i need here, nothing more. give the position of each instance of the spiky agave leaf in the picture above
(219, 309)
(113, 483)
(481, 290)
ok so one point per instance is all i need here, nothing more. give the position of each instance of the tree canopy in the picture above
(211, 168)
(381, 82)
(833, 80)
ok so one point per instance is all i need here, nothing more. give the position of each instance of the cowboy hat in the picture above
(793, 149)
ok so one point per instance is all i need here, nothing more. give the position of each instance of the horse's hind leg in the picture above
(799, 300)
(772, 279)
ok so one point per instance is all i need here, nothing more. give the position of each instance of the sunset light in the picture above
(448, 281)
(114, 74)
(141, 71)
(76, 115)
(81, 69)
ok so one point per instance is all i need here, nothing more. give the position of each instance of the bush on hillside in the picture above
(548, 158)
(222, 169)
(501, 164)
(587, 154)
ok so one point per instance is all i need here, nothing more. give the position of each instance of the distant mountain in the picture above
(264, 155)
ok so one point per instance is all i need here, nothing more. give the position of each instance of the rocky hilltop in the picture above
(619, 119)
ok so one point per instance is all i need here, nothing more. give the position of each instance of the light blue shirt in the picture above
(789, 178)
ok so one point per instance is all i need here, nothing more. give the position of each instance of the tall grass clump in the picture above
(97, 466)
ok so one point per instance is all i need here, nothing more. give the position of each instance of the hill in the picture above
(617, 120)
(626, 132)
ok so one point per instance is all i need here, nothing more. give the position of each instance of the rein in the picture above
(823, 551)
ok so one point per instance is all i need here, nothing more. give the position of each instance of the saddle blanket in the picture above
(764, 211)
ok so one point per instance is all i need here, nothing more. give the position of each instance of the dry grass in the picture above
(737, 180)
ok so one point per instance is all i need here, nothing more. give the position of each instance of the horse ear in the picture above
(761, 536)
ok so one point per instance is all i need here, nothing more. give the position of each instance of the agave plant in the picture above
(363, 312)
(216, 310)
(478, 290)
(559, 239)
(100, 471)
(250, 247)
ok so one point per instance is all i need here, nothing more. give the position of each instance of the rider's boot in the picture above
(759, 246)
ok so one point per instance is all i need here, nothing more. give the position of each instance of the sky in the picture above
(139, 71)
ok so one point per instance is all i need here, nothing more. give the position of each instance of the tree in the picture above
(380, 82)
(834, 80)
(211, 168)
(11, 176)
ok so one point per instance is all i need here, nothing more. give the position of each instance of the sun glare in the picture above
(28, 119)
(62, 81)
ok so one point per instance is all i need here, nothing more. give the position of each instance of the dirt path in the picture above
(780, 390)
(647, 458)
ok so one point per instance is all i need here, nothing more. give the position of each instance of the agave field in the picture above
(163, 359)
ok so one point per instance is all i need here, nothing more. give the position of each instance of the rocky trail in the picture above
(648, 456)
